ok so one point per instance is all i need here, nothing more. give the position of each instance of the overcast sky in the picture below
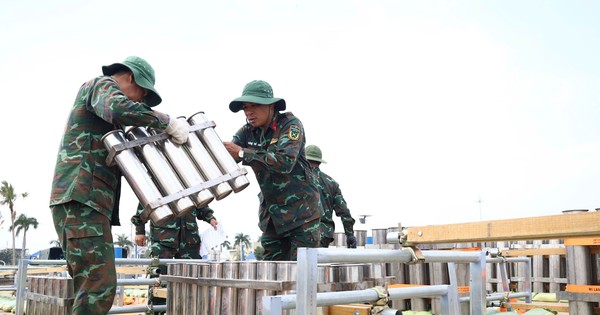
(421, 108)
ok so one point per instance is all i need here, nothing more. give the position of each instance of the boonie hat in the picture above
(143, 74)
(313, 153)
(259, 92)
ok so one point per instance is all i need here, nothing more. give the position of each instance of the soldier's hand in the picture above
(214, 223)
(140, 240)
(351, 241)
(178, 129)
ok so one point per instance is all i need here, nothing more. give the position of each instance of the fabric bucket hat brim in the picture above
(143, 74)
(258, 92)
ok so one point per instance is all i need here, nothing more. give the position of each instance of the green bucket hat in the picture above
(143, 74)
(259, 92)
(313, 153)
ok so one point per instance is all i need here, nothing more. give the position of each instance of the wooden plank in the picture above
(579, 288)
(553, 306)
(533, 252)
(530, 228)
(582, 241)
(350, 309)
(137, 270)
(160, 292)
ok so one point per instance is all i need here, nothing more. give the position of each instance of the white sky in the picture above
(420, 107)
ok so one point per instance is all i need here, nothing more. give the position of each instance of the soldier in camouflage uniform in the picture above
(85, 190)
(177, 238)
(332, 200)
(272, 143)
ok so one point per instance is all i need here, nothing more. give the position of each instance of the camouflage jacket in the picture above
(81, 173)
(289, 190)
(171, 234)
(333, 201)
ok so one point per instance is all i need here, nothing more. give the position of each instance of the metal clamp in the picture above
(416, 255)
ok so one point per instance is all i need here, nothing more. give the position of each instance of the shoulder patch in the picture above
(273, 140)
(294, 133)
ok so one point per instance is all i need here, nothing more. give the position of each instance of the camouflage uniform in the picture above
(333, 201)
(85, 190)
(290, 208)
(177, 238)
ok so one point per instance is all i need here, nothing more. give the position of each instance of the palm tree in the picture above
(242, 239)
(22, 224)
(123, 241)
(9, 197)
(226, 244)
(55, 243)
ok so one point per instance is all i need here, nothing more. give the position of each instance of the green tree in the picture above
(7, 192)
(23, 223)
(55, 243)
(226, 244)
(242, 239)
(123, 241)
(259, 252)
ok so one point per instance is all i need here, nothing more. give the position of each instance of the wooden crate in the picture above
(49, 296)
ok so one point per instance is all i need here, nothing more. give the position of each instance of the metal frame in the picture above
(306, 300)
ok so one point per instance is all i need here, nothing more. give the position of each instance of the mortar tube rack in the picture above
(113, 151)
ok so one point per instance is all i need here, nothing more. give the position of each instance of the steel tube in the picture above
(138, 178)
(206, 165)
(164, 175)
(368, 295)
(214, 145)
(185, 168)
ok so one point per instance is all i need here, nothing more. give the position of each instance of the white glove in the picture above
(178, 129)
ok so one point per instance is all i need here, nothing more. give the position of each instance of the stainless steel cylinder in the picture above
(214, 294)
(265, 270)
(246, 297)
(138, 178)
(229, 295)
(164, 175)
(351, 272)
(218, 151)
(361, 237)
(379, 236)
(204, 290)
(286, 271)
(376, 271)
(339, 239)
(206, 165)
(185, 168)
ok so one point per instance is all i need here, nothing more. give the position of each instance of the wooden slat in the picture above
(533, 252)
(350, 309)
(531, 228)
(553, 306)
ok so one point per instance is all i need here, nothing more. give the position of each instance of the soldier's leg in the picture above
(325, 241)
(190, 252)
(306, 235)
(88, 247)
(277, 247)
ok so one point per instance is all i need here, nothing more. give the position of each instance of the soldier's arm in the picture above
(110, 103)
(341, 210)
(140, 227)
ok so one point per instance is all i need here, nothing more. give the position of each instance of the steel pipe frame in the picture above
(364, 296)
(308, 258)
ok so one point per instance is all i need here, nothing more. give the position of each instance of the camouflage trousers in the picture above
(284, 247)
(87, 244)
